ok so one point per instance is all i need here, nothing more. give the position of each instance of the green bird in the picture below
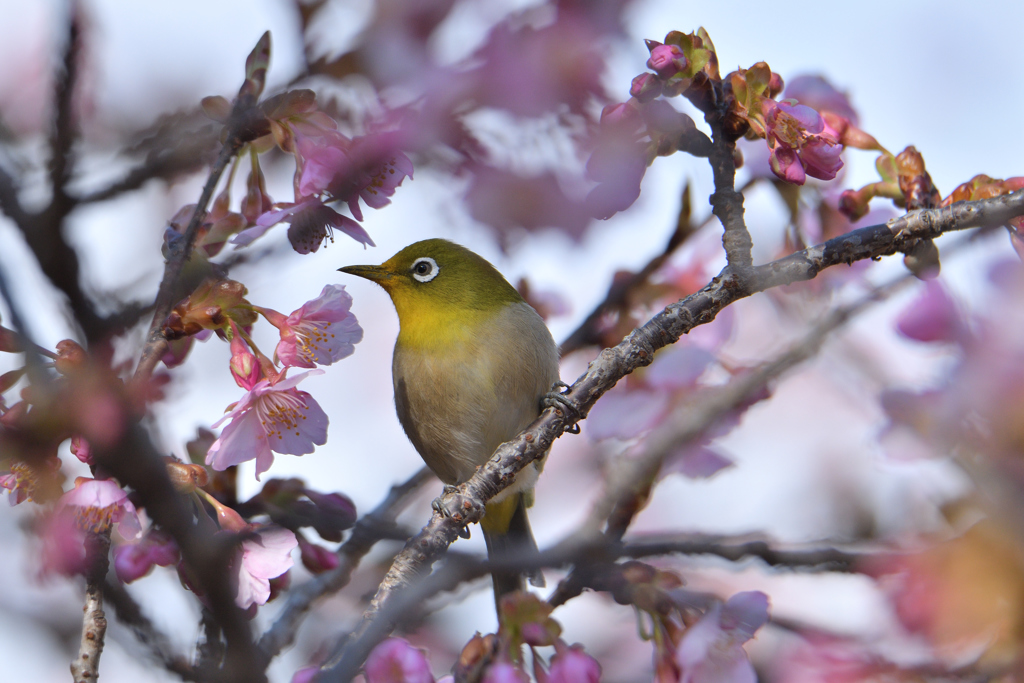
(472, 365)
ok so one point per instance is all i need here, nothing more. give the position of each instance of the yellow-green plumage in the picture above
(472, 363)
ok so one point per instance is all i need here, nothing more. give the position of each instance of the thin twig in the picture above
(85, 668)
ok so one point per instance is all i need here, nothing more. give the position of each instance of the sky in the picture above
(943, 76)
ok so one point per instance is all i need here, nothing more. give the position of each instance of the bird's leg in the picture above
(438, 507)
(556, 399)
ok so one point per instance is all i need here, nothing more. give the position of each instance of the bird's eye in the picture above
(425, 269)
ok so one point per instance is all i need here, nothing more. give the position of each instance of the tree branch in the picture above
(85, 668)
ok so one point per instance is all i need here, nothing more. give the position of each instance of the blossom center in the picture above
(280, 411)
(310, 338)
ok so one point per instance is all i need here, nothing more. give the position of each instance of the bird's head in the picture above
(437, 285)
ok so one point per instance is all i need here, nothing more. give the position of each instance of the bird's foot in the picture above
(556, 399)
(437, 505)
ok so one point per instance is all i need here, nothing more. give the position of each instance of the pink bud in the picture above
(645, 87)
(667, 60)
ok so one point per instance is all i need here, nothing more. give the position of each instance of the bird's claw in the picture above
(437, 505)
(556, 399)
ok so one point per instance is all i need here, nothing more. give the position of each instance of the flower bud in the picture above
(645, 87)
(186, 477)
(667, 60)
(70, 356)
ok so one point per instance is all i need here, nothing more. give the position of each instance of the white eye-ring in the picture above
(425, 269)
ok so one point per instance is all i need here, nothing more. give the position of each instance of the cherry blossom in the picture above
(396, 661)
(321, 332)
(711, 650)
(269, 418)
(266, 554)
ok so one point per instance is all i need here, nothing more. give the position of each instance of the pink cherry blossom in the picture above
(132, 561)
(626, 414)
(306, 674)
(932, 317)
(311, 222)
(321, 332)
(711, 650)
(800, 143)
(269, 418)
(505, 672)
(265, 555)
(396, 661)
(97, 504)
(25, 482)
(573, 665)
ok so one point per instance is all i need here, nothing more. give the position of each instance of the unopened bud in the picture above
(645, 87)
(70, 357)
(186, 477)
(667, 60)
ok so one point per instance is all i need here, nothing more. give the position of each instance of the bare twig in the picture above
(85, 668)
(727, 201)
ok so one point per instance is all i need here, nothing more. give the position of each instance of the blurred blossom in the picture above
(266, 554)
(132, 561)
(711, 650)
(695, 462)
(964, 595)
(96, 505)
(625, 414)
(504, 672)
(678, 367)
(396, 661)
(321, 332)
(506, 200)
(29, 482)
(828, 659)
(63, 546)
(573, 665)
(306, 674)
(269, 418)
(529, 71)
(316, 558)
(817, 93)
(932, 317)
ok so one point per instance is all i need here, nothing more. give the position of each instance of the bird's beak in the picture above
(377, 274)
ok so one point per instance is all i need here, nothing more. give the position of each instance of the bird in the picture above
(472, 366)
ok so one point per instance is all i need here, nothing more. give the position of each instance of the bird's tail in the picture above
(507, 532)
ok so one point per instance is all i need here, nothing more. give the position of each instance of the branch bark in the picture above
(85, 668)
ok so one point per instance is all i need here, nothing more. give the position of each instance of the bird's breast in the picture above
(459, 400)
